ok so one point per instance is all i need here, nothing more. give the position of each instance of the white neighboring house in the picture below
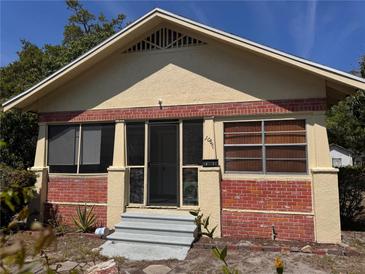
(340, 156)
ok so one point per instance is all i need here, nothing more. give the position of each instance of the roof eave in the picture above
(324, 71)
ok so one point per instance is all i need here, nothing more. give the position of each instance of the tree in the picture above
(19, 130)
(362, 67)
(18, 138)
(23, 73)
(346, 120)
(83, 31)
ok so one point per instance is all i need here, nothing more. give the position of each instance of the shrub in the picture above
(16, 191)
(85, 220)
(352, 193)
(18, 138)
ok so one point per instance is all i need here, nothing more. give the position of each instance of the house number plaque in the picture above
(210, 163)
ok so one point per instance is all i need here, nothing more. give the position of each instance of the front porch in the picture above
(167, 176)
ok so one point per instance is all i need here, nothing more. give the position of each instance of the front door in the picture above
(163, 163)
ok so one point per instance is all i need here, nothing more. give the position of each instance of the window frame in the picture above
(189, 166)
(263, 146)
(144, 166)
(78, 147)
(336, 159)
(146, 159)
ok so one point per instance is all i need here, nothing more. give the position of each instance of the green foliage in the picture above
(201, 223)
(85, 220)
(362, 66)
(56, 222)
(220, 254)
(13, 251)
(16, 191)
(18, 136)
(346, 123)
(351, 191)
(346, 120)
(24, 72)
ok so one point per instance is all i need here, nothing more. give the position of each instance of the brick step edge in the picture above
(335, 250)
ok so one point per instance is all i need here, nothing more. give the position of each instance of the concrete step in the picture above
(141, 251)
(155, 228)
(161, 219)
(152, 229)
(151, 239)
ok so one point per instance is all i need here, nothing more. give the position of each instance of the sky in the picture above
(329, 33)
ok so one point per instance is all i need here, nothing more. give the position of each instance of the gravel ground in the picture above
(76, 248)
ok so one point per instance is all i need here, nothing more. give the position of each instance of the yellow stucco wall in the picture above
(203, 74)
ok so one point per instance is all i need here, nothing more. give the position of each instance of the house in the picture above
(170, 115)
(340, 156)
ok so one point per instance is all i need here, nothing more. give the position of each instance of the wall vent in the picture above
(164, 38)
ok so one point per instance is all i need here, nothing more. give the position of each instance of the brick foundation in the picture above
(259, 225)
(188, 111)
(66, 193)
(249, 209)
(66, 213)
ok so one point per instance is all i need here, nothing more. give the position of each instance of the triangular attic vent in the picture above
(164, 38)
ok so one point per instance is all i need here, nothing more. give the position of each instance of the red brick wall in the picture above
(199, 110)
(77, 189)
(259, 225)
(66, 213)
(267, 195)
(68, 189)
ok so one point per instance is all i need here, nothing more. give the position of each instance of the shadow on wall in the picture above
(352, 198)
(193, 73)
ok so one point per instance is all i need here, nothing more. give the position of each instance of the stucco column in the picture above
(209, 147)
(117, 190)
(209, 179)
(41, 171)
(325, 186)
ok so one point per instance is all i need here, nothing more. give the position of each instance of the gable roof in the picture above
(341, 149)
(157, 16)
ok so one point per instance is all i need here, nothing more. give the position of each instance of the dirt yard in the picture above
(75, 251)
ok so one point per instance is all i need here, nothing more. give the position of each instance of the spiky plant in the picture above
(85, 219)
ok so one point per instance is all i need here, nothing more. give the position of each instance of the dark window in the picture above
(190, 186)
(135, 144)
(136, 179)
(62, 148)
(96, 148)
(265, 146)
(192, 142)
(97, 144)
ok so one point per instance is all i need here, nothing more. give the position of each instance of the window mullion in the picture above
(79, 151)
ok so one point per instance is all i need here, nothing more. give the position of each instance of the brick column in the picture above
(209, 179)
(41, 171)
(117, 189)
